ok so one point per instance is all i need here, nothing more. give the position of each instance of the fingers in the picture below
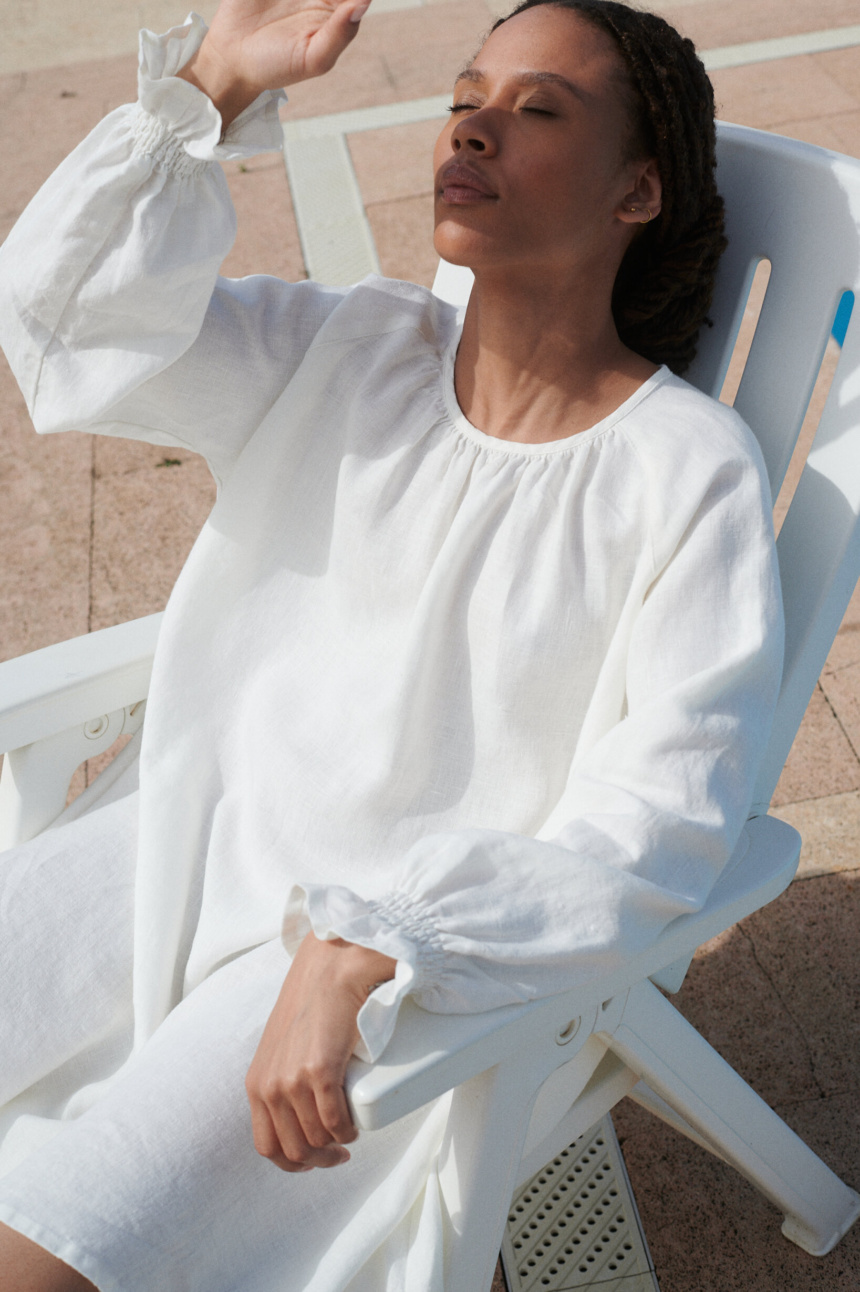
(320, 1106)
(300, 1123)
(278, 1136)
(326, 47)
(333, 1111)
(295, 1083)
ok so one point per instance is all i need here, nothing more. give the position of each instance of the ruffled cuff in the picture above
(179, 124)
(395, 927)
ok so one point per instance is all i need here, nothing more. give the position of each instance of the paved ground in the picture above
(93, 532)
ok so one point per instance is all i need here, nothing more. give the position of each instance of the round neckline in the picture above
(516, 448)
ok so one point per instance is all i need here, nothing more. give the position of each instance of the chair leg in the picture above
(645, 1097)
(703, 1090)
(477, 1173)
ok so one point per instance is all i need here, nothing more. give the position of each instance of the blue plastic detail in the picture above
(843, 316)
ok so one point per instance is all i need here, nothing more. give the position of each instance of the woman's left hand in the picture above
(295, 1083)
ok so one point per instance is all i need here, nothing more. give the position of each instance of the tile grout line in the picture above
(839, 722)
(811, 1099)
(807, 1044)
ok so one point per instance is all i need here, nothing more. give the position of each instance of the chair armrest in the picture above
(61, 686)
(431, 1053)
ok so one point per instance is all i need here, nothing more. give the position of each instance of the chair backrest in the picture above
(798, 207)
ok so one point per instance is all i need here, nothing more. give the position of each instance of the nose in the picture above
(474, 133)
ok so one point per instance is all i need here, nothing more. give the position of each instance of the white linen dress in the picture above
(493, 708)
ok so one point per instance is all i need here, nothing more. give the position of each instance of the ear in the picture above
(643, 202)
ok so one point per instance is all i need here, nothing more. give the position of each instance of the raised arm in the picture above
(258, 45)
(112, 313)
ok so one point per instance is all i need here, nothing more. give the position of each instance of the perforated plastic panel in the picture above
(575, 1224)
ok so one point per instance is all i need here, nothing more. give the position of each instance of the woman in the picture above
(462, 690)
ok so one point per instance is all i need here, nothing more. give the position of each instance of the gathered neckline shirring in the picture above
(551, 448)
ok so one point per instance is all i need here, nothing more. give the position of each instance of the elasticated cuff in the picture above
(393, 926)
(188, 117)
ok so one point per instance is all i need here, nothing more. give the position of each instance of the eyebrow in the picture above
(525, 78)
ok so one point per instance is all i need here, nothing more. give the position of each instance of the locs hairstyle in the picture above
(666, 279)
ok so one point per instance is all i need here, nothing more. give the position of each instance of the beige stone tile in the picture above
(845, 650)
(746, 333)
(403, 232)
(267, 241)
(832, 1128)
(360, 79)
(843, 65)
(424, 49)
(48, 34)
(120, 457)
(45, 114)
(839, 131)
(729, 997)
(94, 767)
(78, 784)
(830, 829)
(821, 761)
(820, 131)
(842, 688)
(398, 56)
(846, 128)
(806, 945)
(45, 485)
(807, 431)
(394, 163)
(708, 1230)
(713, 23)
(495, 8)
(769, 95)
(778, 998)
(145, 522)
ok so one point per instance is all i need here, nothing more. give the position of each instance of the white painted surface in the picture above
(337, 244)
(763, 51)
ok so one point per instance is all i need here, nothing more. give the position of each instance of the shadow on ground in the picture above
(779, 997)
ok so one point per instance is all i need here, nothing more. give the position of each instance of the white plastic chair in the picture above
(534, 1077)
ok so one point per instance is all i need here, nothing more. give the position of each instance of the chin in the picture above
(460, 245)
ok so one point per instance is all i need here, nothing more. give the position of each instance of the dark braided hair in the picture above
(665, 283)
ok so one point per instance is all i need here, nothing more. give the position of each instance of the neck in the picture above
(541, 360)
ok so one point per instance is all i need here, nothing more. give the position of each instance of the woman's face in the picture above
(534, 167)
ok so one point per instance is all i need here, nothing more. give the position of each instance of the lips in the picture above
(462, 183)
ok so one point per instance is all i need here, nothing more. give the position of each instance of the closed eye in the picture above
(473, 107)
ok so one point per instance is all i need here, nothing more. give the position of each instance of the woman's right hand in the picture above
(256, 45)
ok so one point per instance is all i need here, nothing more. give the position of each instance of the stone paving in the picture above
(94, 531)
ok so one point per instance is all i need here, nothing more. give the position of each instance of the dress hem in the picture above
(64, 1249)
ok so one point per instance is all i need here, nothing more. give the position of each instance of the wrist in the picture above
(364, 968)
(208, 72)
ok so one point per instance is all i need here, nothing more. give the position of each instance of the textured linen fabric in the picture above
(493, 708)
